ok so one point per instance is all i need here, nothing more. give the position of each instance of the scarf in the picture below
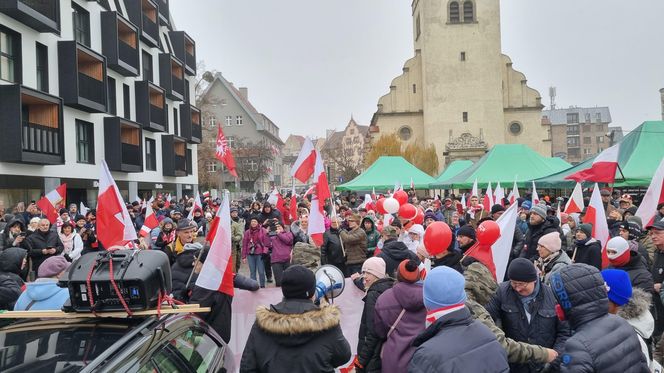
(528, 301)
(542, 264)
(254, 235)
(67, 242)
(168, 237)
(436, 314)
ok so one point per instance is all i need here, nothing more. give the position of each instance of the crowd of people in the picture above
(557, 308)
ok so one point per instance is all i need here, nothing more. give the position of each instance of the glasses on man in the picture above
(519, 284)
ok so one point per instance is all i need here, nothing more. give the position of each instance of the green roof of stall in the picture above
(455, 168)
(385, 172)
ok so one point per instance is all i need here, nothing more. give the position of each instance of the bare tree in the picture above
(254, 160)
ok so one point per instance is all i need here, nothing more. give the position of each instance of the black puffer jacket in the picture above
(331, 251)
(39, 241)
(601, 342)
(6, 239)
(544, 328)
(11, 282)
(639, 275)
(393, 253)
(456, 343)
(180, 272)
(588, 252)
(452, 260)
(368, 344)
(535, 232)
(295, 336)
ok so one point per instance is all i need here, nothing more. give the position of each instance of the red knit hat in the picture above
(409, 271)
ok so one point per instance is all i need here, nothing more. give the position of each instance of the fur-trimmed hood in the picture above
(295, 322)
(637, 313)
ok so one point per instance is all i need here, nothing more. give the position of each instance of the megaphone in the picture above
(330, 282)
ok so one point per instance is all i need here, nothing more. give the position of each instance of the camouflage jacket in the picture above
(307, 255)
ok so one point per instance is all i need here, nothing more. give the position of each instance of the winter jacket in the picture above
(180, 272)
(457, 343)
(219, 317)
(535, 232)
(237, 233)
(11, 283)
(552, 263)
(331, 252)
(373, 236)
(638, 315)
(273, 214)
(43, 294)
(393, 253)
(588, 252)
(260, 246)
(397, 349)
(249, 215)
(544, 328)
(39, 241)
(355, 243)
(282, 245)
(7, 238)
(368, 343)
(295, 336)
(600, 342)
(452, 260)
(639, 275)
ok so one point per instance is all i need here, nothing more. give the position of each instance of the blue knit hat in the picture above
(619, 288)
(526, 205)
(443, 287)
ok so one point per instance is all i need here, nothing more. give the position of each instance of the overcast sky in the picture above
(309, 64)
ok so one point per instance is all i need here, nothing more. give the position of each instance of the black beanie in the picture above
(298, 282)
(467, 230)
(497, 208)
(522, 269)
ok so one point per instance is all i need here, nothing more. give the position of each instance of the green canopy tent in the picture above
(385, 172)
(640, 153)
(452, 170)
(505, 163)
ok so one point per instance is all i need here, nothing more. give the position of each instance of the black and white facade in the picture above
(82, 81)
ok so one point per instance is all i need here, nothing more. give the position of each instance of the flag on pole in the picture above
(82, 209)
(277, 202)
(167, 202)
(217, 271)
(535, 197)
(487, 201)
(412, 184)
(603, 168)
(596, 216)
(52, 202)
(475, 192)
(502, 248)
(316, 226)
(151, 221)
(223, 152)
(575, 202)
(304, 166)
(320, 180)
(653, 197)
(499, 195)
(373, 194)
(114, 225)
(293, 206)
(197, 206)
(559, 215)
(514, 194)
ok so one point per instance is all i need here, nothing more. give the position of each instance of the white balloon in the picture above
(391, 205)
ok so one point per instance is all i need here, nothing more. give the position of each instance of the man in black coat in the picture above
(539, 224)
(393, 251)
(332, 252)
(525, 308)
(600, 342)
(12, 265)
(43, 244)
(296, 335)
(186, 266)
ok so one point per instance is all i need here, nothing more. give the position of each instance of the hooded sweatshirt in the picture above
(11, 283)
(43, 294)
(373, 236)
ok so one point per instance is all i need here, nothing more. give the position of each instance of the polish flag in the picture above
(305, 164)
(502, 248)
(412, 184)
(52, 202)
(654, 196)
(603, 168)
(499, 195)
(475, 192)
(197, 206)
(535, 197)
(575, 202)
(277, 201)
(316, 226)
(373, 194)
(217, 271)
(596, 216)
(514, 194)
(487, 201)
(82, 209)
(320, 180)
(167, 201)
(150, 222)
(114, 226)
(293, 206)
(460, 206)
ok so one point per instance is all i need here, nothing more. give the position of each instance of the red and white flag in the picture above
(514, 194)
(535, 197)
(114, 225)
(320, 180)
(596, 216)
(217, 271)
(223, 152)
(82, 210)
(487, 201)
(277, 202)
(575, 202)
(52, 202)
(293, 206)
(197, 206)
(475, 192)
(499, 195)
(373, 194)
(653, 197)
(316, 226)
(167, 201)
(502, 248)
(603, 168)
(305, 163)
(150, 222)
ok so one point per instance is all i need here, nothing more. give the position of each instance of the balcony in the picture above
(123, 142)
(151, 107)
(171, 76)
(190, 123)
(31, 126)
(43, 16)
(144, 14)
(119, 40)
(184, 49)
(174, 156)
(164, 10)
(82, 77)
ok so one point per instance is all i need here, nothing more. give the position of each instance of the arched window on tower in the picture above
(454, 12)
(468, 11)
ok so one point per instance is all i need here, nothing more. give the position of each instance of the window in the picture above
(454, 12)
(176, 127)
(418, 30)
(211, 166)
(112, 103)
(462, 57)
(126, 100)
(405, 133)
(515, 128)
(238, 120)
(229, 120)
(42, 67)
(587, 117)
(587, 151)
(10, 55)
(192, 351)
(231, 142)
(572, 118)
(81, 24)
(573, 141)
(599, 150)
(150, 155)
(414, 88)
(465, 116)
(586, 140)
(147, 66)
(468, 11)
(212, 121)
(251, 165)
(600, 139)
(586, 128)
(598, 117)
(573, 130)
(85, 150)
